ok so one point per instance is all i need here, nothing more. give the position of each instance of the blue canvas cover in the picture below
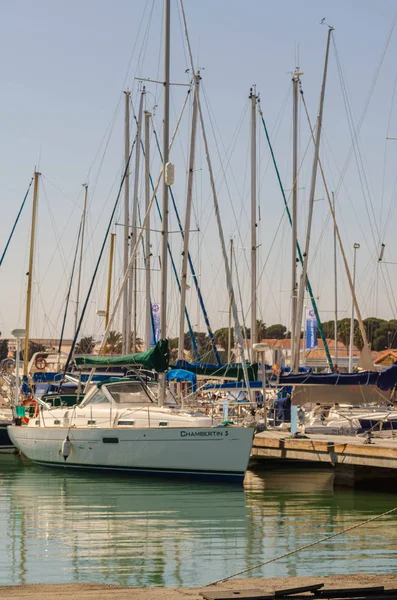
(182, 375)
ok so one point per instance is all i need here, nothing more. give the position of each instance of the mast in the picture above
(30, 272)
(253, 99)
(229, 334)
(336, 290)
(355, 248)
(303, 278)
(294, 283)
(76, 312)
(109, 288)
(164, 223)
(126, 329)
(132, 294)
(218, 220)
(110, 275)
(186, 236)
(148, 308)
(224, 253)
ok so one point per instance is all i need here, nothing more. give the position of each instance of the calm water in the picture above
(63, 527)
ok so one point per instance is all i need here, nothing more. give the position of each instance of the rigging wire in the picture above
(69, 289)
(357, 152)
(16, 222)
(97, 264)
(368, 99)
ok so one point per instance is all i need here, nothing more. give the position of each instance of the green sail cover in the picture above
(225, 371)
(156, 358)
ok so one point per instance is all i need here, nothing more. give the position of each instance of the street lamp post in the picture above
(355, 248)
(18, 334)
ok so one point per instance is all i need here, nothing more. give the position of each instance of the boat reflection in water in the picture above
(70, 527)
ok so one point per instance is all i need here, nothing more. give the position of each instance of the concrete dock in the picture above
(354, 461)
(92, 591)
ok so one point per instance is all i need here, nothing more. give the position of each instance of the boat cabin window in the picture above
(99, 398)
(130, 392)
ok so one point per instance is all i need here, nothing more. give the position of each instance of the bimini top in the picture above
(157, 358)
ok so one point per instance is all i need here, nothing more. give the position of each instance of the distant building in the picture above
(386, 358)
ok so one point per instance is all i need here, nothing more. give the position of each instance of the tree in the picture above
(35, 347)
(114, 342)
(277, 331)
(3, 349)
(358, 338)
(138, 343)
(222, 337)
(86, 345)
(261, 331)
(344, 332)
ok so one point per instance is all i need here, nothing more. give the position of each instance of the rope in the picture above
(324, 539)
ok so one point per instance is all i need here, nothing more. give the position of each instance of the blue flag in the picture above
(311, 330)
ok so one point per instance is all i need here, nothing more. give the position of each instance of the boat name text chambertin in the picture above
(204, 433)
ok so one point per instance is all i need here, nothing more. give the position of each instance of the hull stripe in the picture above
(207, 474)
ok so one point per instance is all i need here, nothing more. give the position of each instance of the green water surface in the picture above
(59, 526)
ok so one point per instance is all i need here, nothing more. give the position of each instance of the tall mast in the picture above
(126, 323)
(294, 283)
(302, 285)
(109, 288)
(110, 275)
(132, 299)
(148, 308)
(164, 223)
(76, 312)
(30, 272)
(355, 248)
(229, 332)
(335, 290)
(186, 235)
(253, 99)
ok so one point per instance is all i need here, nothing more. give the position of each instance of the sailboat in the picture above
(128, 424)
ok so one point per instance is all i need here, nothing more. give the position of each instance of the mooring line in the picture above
(328, 537)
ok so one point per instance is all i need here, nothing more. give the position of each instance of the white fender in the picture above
(66, 448)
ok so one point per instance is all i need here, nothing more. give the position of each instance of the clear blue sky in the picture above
(64, 66)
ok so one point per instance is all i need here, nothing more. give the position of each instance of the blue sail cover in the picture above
(182, 375)
(385, 380)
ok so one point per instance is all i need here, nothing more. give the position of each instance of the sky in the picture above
(65, 66)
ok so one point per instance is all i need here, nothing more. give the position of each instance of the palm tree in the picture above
(114, 342)
(260, 330)
(86, 345)
(138, 343)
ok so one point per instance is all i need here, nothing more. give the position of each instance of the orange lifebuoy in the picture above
(40, 363)
(30, 402)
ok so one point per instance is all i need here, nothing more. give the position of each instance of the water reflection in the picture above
(60, 527)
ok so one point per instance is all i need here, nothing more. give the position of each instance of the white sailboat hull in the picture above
(220, 453)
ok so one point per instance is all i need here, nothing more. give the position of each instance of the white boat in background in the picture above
(119, 427)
